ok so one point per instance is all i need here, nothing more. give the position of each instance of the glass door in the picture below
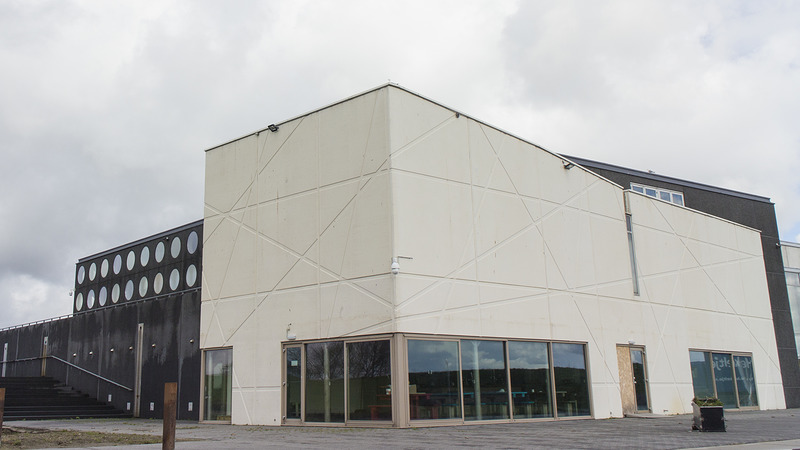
(639, 371)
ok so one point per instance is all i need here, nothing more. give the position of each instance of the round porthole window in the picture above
(159, 252)
(104, 268)
(78, 301)
(158, 283)
(144, 257)
(191, 242)
(129, 290)
(92, 271)
(115, 293)
(81, 274)
(174, 279)
(191, 275)
(102, 296)
(117, 264)
(90, 299)
(143, 287)
(175, 249)
(131, 260)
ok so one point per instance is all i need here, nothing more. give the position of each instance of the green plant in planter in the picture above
(708, 401)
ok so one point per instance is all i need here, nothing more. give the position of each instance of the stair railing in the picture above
(99, 377)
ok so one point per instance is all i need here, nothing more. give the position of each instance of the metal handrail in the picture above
(100, 377)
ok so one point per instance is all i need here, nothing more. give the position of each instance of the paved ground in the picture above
(770, 429)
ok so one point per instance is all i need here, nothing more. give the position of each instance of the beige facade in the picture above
(508, 241)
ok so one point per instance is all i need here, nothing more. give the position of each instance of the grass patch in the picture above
(17, 437)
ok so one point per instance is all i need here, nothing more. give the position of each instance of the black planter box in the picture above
(708, 418)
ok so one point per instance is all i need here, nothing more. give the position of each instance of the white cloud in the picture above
(106, 107)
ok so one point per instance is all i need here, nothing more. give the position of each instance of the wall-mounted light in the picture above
(395, 267)
(154, 346)
(289, 335)
(91, 353)
(112, 350)
(191, 341)
(130, 348)
(273, 127)
(74, 355)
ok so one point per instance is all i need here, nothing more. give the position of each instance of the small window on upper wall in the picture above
(662, 194)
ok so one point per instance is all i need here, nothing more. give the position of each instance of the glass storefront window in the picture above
(530, 379)
(726, 376)
(218, 384)
(325, 382)
(483, 372)
(293, 382)
(723, 379)
(433, 380)
(702, 377)
(745, 380)
(571, 381)
(369, 381)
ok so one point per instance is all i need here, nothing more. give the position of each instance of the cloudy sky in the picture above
(106, 107)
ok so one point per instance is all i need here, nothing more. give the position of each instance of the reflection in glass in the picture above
(78, 301)
(81, 274)
(131, 260)
(571, 381)
(191, 243)
(159, 251)
(90, 299)
(143, 287)
(293, 382)
(369, 384)
(745, 381)
(174, 279)
(129, 290)
(639, 379)
(92, 271)
(175, 249)
(158, 283)
(218, 384)
(793, 288)
(102, 296)
(530, 379)
(723, 379)
(325, 382)
(702, 376)
(483, 372)
(115, 293)
(117, 264)
(144, 256)
(191, 275)
(433, 380)
(104, 268)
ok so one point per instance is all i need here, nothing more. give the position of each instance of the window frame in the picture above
(346, 379)
(659, 193)
(731, 355)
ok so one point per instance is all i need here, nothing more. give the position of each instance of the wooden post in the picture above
(170, 413)
(2, 410)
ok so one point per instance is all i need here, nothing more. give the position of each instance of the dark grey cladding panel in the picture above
(162, 264)
(86, 340)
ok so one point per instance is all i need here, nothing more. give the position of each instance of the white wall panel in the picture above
(505, 242)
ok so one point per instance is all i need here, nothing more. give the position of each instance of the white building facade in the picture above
(389, 261)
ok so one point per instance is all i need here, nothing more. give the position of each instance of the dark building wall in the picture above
(101, 336)
(170, 352)
(752, 211)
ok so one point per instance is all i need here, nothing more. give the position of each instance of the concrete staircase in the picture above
(39, 398)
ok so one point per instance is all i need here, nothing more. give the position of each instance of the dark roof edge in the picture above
(139, 241)
(652, 176)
